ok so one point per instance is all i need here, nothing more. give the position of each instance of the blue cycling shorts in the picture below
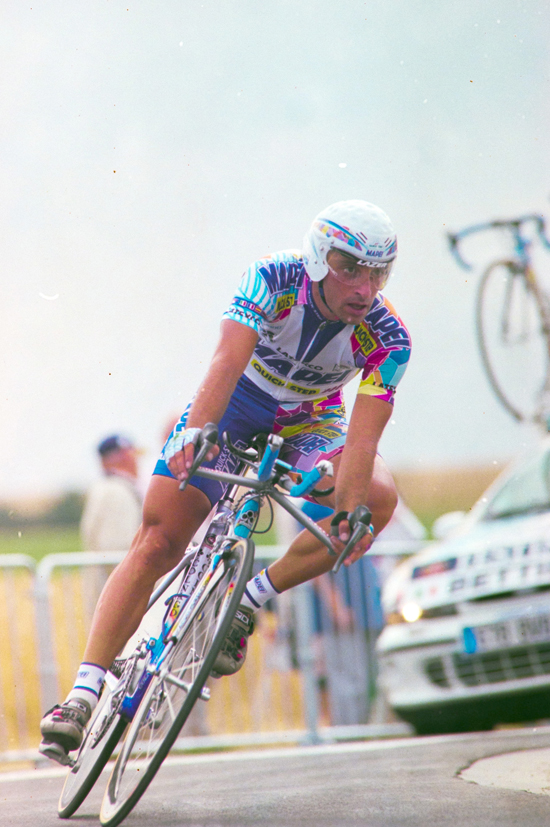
(312, 430)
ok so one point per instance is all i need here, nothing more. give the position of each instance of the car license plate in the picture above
(511, 632)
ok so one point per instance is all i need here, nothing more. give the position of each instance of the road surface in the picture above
(412, 782)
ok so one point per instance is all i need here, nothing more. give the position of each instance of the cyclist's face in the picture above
(350, 287)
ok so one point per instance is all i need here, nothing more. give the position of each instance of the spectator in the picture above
(112, 510)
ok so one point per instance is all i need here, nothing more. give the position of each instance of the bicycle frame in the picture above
(167, 673)
(521, 285)
(148, 661)
(235, 519)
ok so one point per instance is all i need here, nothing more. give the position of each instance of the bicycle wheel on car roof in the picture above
(173, 691)
(514, 339)
(103, 734)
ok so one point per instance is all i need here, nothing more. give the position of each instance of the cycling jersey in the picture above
(302, 355)
(292, 385)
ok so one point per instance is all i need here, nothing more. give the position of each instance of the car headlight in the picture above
(409, 613)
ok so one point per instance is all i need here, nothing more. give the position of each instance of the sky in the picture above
(150, 151)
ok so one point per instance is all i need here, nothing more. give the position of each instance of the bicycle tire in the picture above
(91, 759)
(157, 723)
(486, 314)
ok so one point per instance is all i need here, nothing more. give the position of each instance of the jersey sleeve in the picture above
(385, 344)
(251, 304)
(381, 379)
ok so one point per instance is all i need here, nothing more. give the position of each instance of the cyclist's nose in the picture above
(367, 289)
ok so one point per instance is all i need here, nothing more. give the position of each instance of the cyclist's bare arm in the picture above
(232, 354)
(368, 420)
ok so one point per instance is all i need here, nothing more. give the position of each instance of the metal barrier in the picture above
(282, 695)
(65, 602)
(20, 706)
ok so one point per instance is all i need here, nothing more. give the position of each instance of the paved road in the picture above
(405, 783)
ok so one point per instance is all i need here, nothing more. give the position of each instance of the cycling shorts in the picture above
(312, 430)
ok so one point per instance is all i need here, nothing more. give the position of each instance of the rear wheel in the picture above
(179, 683)
(101, 738)
(513, 336)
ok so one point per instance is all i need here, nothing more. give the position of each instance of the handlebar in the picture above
(310, 480)
(359, 521)
(270, 468)
(513, 224)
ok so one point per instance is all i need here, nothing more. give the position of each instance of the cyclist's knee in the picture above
(170, 519)
(154, 551)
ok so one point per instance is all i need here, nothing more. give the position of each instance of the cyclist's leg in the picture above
(170, 519)
(313, 431)
(307, 557)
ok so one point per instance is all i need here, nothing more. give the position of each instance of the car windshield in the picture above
(527, 491)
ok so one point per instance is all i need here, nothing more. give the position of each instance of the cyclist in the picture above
(301, 325)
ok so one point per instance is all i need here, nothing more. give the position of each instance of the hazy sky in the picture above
(150, 151)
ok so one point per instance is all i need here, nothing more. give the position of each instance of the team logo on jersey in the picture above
(374, 385)
(388, 327)
(366, 342)
(330, 433)
(265, 373)
(285, 302)
(305, 391)
(308, 443)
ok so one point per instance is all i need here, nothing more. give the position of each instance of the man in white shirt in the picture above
(113, 507)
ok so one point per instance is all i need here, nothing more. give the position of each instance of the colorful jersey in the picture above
(300, 354)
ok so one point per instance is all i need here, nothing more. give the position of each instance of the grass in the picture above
(429, 494)
(37, 542)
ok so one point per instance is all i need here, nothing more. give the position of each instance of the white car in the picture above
(467, 640)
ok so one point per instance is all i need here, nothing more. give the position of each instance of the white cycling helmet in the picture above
(356, 227)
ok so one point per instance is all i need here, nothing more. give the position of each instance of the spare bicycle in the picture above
(150, 691)
(513, 320)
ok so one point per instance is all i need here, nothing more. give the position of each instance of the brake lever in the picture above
(207, 439)
(359, 521)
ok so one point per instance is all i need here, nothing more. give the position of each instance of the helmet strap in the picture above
(322, 294)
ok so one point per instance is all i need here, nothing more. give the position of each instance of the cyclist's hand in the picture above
(179, 452)
(360, 548)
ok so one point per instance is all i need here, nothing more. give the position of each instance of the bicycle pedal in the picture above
(55, 752)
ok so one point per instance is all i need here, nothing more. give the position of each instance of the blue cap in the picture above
(113, 443)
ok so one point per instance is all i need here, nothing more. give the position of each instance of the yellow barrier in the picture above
(265, 696)
(19, 680)
(73, 594)
(261, 697)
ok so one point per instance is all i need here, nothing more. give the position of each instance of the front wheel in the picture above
(104, 733)
(179, 682)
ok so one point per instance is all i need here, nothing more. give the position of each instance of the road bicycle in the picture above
(513, 320)
(150, 691)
